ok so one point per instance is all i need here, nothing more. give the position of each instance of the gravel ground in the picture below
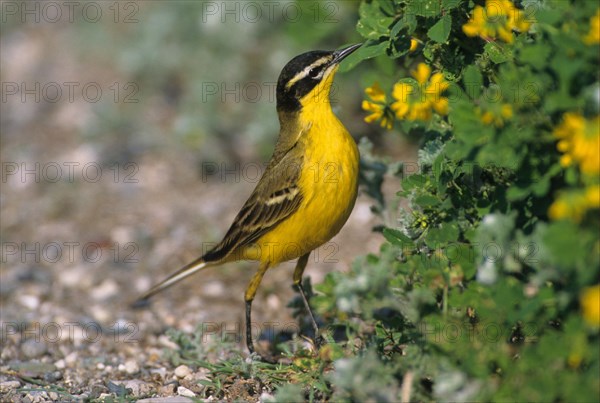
(77, 251)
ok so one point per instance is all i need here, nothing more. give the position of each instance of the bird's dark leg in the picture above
(249, 326)
(300, 266)
(249, 297)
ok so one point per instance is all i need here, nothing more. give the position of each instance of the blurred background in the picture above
(132, 133)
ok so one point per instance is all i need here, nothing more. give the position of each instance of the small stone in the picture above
(33, 368)
(168, 390)
(138, 387)
(131, 367)
(274, 302)
(213, 289)
(53, 396)
(33, 349)
(182, 371)
(266, 397)
(107, 289)
(60, 364)
(53, 376)
(164, 341)
(9, 385)
(100, 313)
(36, 396)
(183, 391)
(72, 359)
(29, 301)
(170, 399)
(161, 372)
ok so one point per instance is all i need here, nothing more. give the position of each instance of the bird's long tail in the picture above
(179, 275)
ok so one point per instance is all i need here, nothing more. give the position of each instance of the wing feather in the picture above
(273, 200)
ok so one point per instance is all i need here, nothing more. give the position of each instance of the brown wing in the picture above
(275, 198)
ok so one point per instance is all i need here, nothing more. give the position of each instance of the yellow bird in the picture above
(308, 190)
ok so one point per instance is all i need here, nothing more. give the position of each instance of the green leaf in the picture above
(396, 237)
(446, 232)
(473, 81)
(427, 201)
(497, 53)
(440, 31)
(407, 21)
(373, 24)
(370, 49)
(565, 243)
(450, 4)
(535, 55)
(424, 8)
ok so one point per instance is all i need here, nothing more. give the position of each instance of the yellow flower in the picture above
(506, 111)
(496, 115)
(378, 107)
(558, 210)
(592, 196)
(422, 73)
(497, 20)
(590, 305)
(417, 102)
(376, 93)
(593, 36)
(573, 205)
(579, 140)
(413, 45)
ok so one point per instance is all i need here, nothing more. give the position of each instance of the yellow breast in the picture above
(328, 182)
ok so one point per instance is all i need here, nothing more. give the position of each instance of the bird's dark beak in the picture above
(339, 55)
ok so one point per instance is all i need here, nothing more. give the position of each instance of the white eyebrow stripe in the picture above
(304, 72)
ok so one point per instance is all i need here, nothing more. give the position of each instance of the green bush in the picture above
(487, 289)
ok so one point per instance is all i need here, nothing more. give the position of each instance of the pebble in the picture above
(9, 385)
(107, 289)
(60, 364)
(266, 397)
(75, 277)
(182, 371)
(138, 387)
(29, 301)
(72, 359)
(213, 289)
(53, 396)
(164, 341)
(33, 368)
(162, 372)
(100, 314)
(183, 391)
(170, 399)
(36, 397)
(53, 376)
(33, 349)
(274, 302)
(169, 389)
(132, 367)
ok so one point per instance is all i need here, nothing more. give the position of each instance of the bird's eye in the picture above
(312, 73)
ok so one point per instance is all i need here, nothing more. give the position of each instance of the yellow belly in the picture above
(329, 182)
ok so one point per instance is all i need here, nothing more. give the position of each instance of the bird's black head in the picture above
(304, 73)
